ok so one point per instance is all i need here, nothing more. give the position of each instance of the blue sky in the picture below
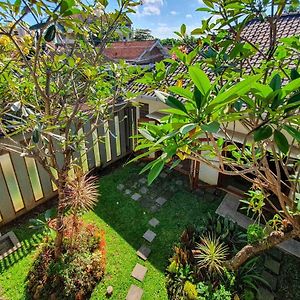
(163, 17)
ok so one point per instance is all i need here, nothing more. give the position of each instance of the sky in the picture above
(163, 17)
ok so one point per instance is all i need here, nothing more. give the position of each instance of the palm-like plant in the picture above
(81, 192)
(211, 254)
(81, 195)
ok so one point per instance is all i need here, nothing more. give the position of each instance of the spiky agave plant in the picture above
(211, 254)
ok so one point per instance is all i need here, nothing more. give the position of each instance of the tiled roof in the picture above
(257, 32)
(128, 50)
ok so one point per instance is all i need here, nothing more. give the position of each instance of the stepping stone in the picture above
(173, 188)
(161, 201)
(120, 187)
(136, 197)
(270, 279)
(144, 190)
(154, 208)
(264, 294)
(276, 253)
(134, 293)
(127, 192)
(139, 272)
(143, 252)
(143, 180)
(149, 236)
(153, 222)
(272, 265)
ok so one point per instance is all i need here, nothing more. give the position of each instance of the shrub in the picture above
(190, 291)
(77, 271)
(206, 292)
(198, 261)
(227, 231)
(176, 281)
(255, 233)
(248, 277)
(211, 254)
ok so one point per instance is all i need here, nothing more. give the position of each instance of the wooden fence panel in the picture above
(25, 183)
(113, 138)
(89, 143)
(23, 180)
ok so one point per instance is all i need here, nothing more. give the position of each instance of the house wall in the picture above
(207, 173)
(154, 104)
(238, 132)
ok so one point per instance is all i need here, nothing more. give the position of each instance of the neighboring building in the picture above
(258, 33)
(136, 52)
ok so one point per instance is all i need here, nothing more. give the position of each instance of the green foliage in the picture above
(255, 233)
(190, 291)
(219, 284)
(227, 231)
(43, 224)
(255, 203)
(206, 292)
(142, 35)
(248, 278)
(75, 273)
(218, 90)
(211, 254)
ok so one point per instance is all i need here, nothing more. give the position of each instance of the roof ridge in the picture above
(284, 15)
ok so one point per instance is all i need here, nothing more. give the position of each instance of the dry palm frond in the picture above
(81, 192)
(211, 254)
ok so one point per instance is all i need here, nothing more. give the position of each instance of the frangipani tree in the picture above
(206, 108)
(54, 77)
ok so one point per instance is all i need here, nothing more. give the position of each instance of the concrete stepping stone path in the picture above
(265, 294)
(127, 192)
(136, 197)
(120, 187)
(272, 265)
(139, 272)
(143, 252)
(143, 180)
(134, 293)
(161, 201)
(153, 222)
(154, 208)
(270, 279)
(149, 236)
(144, 190)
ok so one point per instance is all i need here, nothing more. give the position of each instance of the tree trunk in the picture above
(249, 251)
(60, 219)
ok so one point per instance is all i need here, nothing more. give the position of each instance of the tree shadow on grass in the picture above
(130, 220)
(29, 243)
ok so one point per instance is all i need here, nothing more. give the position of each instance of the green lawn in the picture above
(124, 222)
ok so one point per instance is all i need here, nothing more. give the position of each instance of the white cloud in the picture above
(166, 31)
(151, 10)
(188, 16)
(150, 7)
(173, 12)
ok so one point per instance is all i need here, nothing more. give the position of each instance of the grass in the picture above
(124, 222)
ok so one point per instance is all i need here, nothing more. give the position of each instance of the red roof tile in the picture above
(130, 50)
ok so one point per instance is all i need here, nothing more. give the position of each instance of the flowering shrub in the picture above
(77, 271)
